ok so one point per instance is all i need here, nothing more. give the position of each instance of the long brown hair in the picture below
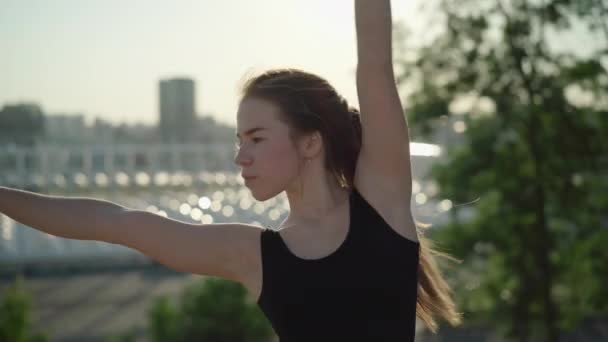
(308, 104)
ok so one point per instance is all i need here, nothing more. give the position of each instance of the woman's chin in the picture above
(261, 196)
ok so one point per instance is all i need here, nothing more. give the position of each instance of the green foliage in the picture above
(533, 161)
(129, 336)
(214, 310)
(15, 315)
(163, 320)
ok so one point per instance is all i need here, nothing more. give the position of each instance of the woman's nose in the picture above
(240, 159)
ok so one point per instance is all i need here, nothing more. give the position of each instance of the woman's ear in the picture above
(312, 144)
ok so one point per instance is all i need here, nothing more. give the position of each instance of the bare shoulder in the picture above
(391, 198)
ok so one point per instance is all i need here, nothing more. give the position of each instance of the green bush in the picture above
(15, 317)
(129, 336)
(214, 310)
(163, 320)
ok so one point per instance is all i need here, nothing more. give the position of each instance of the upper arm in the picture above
(221, 250)
(385, 149)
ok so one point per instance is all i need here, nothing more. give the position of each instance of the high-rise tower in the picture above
(177, 110)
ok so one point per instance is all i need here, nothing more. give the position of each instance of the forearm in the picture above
(68, 217)
(373, 21)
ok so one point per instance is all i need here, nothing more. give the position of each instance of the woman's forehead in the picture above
(256, 106)
(255, 112)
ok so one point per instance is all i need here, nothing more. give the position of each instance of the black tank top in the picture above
(364, 291)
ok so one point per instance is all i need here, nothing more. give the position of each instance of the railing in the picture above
(108, 165)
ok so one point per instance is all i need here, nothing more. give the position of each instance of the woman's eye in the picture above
(237, 145)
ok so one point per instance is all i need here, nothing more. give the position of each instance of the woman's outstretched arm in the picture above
(67, 217)
(385, 151)
(223, 250)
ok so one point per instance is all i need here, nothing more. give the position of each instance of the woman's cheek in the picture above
(278, 153)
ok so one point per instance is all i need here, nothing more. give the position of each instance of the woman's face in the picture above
(264, 149)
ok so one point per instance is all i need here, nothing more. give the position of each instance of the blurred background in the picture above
(135, 103)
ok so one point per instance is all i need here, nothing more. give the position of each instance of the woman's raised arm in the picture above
(374, 30)
(385, 149)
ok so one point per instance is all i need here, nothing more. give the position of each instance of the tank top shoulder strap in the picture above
(366, 216)
(359, 215)
(269, 243)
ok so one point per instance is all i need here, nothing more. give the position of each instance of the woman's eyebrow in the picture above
(251, 131)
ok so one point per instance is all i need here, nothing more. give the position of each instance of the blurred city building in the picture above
(177, 110)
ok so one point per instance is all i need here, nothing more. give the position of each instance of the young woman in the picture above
(348, 262)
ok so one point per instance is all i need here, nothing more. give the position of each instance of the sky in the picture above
(105, 58)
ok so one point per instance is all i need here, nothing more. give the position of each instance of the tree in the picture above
(534, 156)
